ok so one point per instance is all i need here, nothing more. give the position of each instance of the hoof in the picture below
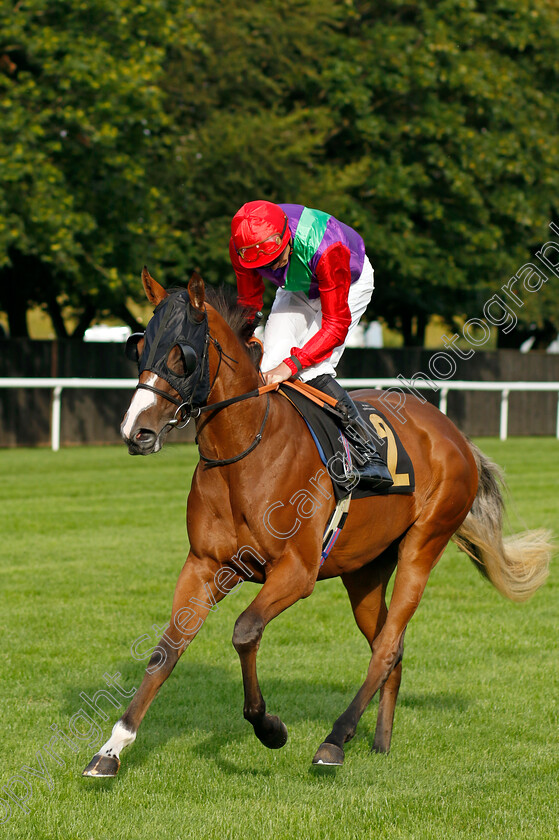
(273, 734)
(380, 749)
(329, 754)
(102, 766)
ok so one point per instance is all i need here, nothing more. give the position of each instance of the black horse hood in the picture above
(174, 324)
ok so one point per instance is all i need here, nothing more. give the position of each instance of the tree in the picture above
(82, 145)
(431, 127)
(446, 116)
(134, 132)
(250, 116)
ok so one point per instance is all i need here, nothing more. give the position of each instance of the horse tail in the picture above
(515, 565)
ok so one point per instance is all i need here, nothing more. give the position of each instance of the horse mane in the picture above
(222, 299)
(239, 318)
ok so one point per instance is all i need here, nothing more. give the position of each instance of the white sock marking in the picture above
(121, 737)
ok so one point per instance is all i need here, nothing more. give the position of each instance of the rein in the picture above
(222, 462)
(316, 396)
(185, 411)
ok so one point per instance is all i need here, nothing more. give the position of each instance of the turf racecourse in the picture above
(92, 541)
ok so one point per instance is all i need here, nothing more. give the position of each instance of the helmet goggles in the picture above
(269, 247)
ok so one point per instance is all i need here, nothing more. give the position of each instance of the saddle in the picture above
(320, 415)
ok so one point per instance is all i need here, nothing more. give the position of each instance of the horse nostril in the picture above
(144, 437)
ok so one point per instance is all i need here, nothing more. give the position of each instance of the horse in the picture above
(260, 501)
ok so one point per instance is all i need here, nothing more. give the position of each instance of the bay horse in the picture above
(260, 500)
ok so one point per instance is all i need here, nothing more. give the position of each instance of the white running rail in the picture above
(57, 386)
(444, 386)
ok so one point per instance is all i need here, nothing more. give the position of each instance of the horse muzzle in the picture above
(142, 442)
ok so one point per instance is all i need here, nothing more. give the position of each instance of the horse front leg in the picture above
(196, 595)
(287, 583)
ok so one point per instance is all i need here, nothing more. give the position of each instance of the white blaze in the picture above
(141, 401)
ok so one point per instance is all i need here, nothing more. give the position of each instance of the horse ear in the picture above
(154, 290)
(196, 291)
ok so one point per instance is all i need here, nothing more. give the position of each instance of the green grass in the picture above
(92, 542)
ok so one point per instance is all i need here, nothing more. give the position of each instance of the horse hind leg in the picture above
(387, 706)
(418, 553)
(367, 593)
(366, 589)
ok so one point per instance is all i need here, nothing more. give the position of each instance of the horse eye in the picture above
(182, 360)
(175, 361)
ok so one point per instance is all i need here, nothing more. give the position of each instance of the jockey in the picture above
(325, 282)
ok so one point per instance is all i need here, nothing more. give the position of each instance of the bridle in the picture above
(185, 411)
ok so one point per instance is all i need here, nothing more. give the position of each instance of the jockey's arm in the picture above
(334, 279)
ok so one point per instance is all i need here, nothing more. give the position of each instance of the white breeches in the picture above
(294, 319)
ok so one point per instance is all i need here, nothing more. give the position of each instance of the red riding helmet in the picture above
(260, 233)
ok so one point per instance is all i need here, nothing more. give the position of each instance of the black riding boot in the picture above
(373, 472)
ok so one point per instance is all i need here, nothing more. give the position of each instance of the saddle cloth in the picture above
(335, 449)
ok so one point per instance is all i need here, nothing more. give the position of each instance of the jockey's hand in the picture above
(277, 374)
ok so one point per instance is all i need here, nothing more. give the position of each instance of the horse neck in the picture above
(235, 374)
(232, 373)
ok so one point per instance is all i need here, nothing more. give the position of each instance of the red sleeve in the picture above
(250, 286)
(334, 279)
